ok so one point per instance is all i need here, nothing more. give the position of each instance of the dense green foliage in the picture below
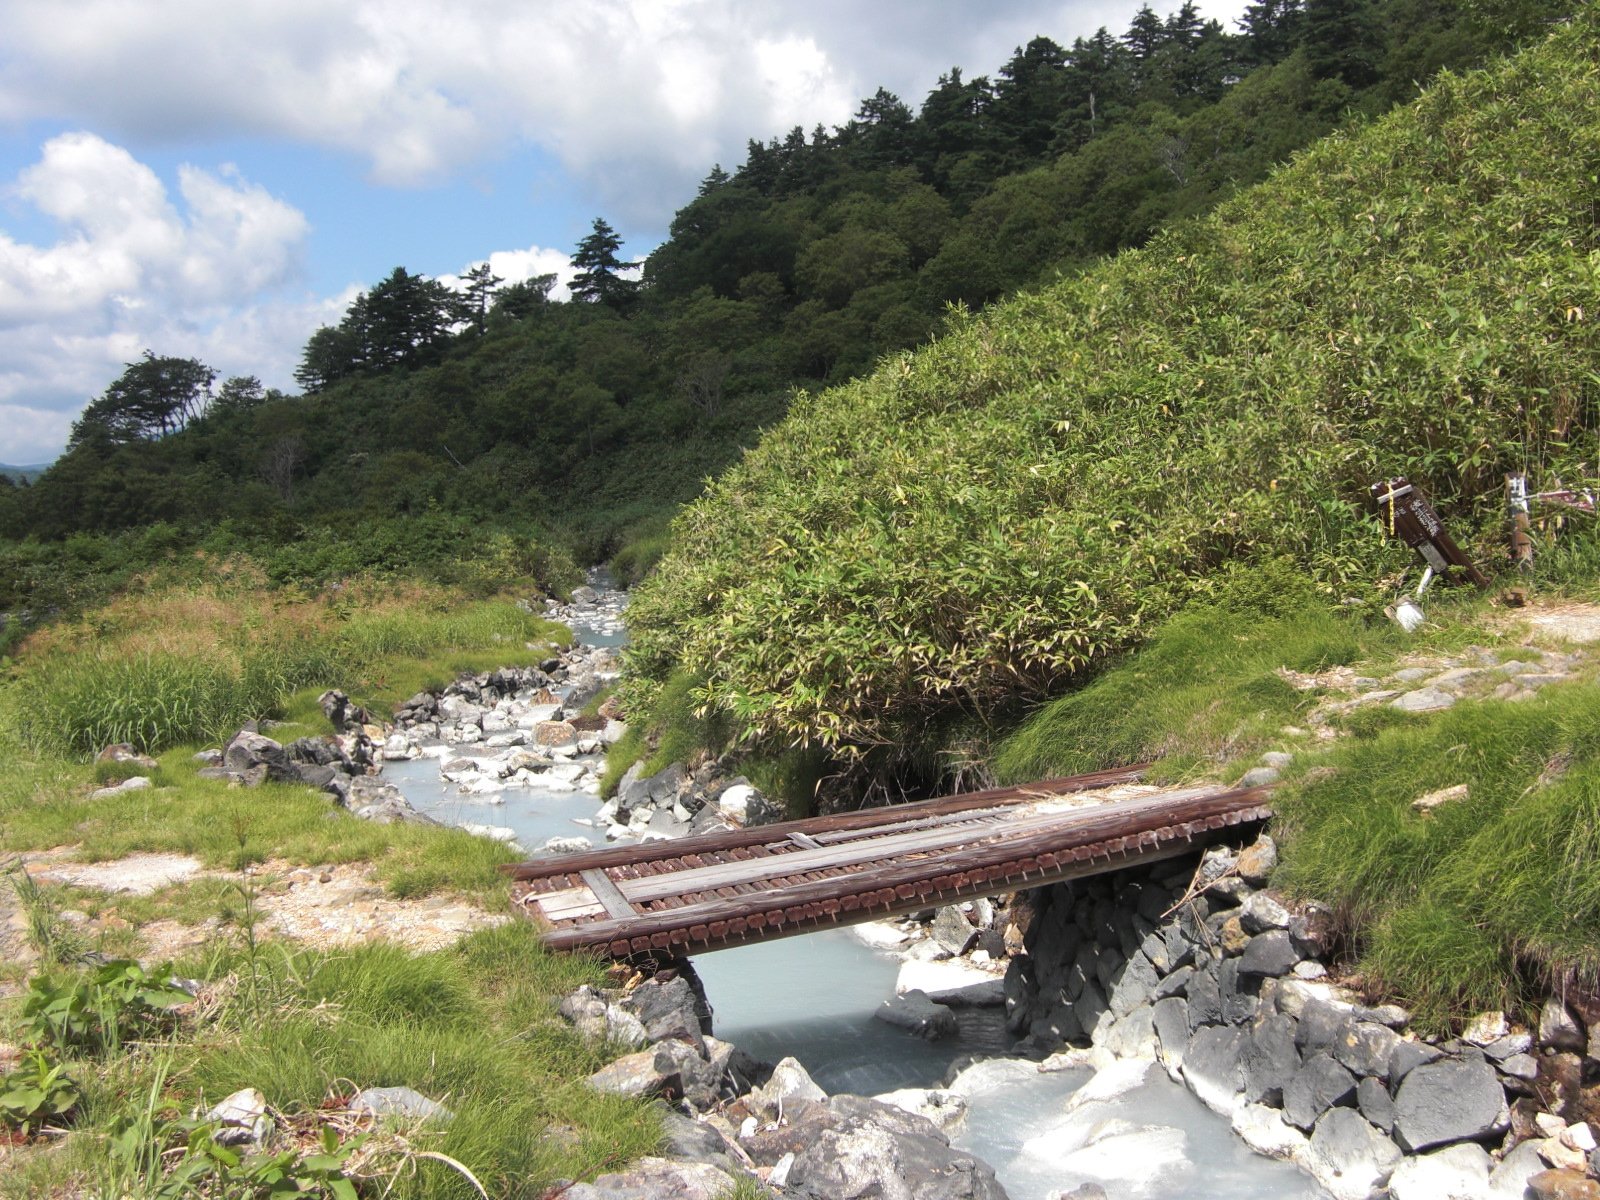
(993, 516)
(806, 264)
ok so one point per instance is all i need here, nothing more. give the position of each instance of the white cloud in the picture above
(638, 97)
(131, 269)
(514, 266)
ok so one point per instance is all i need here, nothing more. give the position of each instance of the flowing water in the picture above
(813, 997)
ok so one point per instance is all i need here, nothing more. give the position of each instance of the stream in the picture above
(813, 997)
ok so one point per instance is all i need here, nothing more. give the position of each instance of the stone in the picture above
(1453, 1100)
(1277, 758)
(1349, 1157)
(1322, 1083)
(241, 1119)
(669, 1009)
(657, 1179)
(1486, 1027)
(1412, 674)
(1503, 1048)
(915, 1013)
(399, 1102)
(1406, 1057)
(123, 754)
(742, 806)
(1563, 1185)
(1232, 936)
(1239, 991)
(1169, 1018)
(1175, 984)
(1322, 1024)
(249, 752)
(1558, 1028)
(1520, 1066)
(1205, 1000)
(944, 1109)
(1375, 1103)
(1133, 1035)
(1508, 1180)
(952, 930)
(1269, 1060)
(1423, 700)
(554, 733)
(1211, 1066)
(1265, 1131)
(789, 1085)
(1133, 987)
(1261, 913)
(671, 1070)
(137, 783)
(1432, 800)
(1458, 1172)
(866, 1149)
(1272, 953)
(1365, 1047)
(566, 845)
(1260, 777)
(684, 1139)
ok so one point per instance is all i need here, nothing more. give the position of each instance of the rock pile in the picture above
(1226, 987)
(731, 1116)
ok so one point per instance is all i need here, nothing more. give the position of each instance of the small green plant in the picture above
(35, 1093)
(52, 938)
(98, 1011)
(212, 1169)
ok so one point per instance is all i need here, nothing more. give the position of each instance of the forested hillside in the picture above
(992, 517)
(431, 414)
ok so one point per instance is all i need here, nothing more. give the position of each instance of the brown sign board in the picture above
(1406, 513)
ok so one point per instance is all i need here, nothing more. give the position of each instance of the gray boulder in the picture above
(914, 1012)
(256, 756)
(669, 1070)
(1211, 1066)
(1271, 953)
(1348, 1156)
(870, 1150)
(1270, 1060)
(657, 1179)
(952, 930)
(1365, 1047)
(1449, 1101)
(400, 1102)
(669, 1009)
(1318, 1086)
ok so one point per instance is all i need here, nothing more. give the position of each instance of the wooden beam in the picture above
(606, 892)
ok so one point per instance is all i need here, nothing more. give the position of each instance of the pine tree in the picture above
(599, 278)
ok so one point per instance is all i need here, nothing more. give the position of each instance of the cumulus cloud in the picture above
(132, 267)
(638, 97)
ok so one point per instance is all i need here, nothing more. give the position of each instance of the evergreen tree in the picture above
(599, 278)
(1341, 41)
(1028, 100)
(152, 398)
(479, 284)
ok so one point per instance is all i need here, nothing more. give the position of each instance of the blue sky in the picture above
(217, 180)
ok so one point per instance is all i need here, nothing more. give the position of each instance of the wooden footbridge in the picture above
(694, 894)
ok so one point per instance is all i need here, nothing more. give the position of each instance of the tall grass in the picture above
(189, 664)
(1487, 902)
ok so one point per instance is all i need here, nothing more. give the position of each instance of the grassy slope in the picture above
(988, 517)
(299, 1025)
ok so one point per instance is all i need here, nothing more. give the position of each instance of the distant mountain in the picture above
(24, 474)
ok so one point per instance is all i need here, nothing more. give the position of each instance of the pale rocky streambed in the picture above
(1124, 1132)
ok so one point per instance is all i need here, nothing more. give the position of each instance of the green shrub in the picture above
(1000, 514)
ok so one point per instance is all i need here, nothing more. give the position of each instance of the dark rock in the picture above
(1348, 1154)
(1205, 1000)
(1180, 950)
(1558, 1028)
(688, 1140)
(1322, 1026)
(251, 752)
(1133, 986)
(668, 1009)
(1239, 998)
(914, 1012)
(1211, 1065)
(1258, 861)
(1270, 1059)
(1171, 1020)
(341, 713)
(1372, 1098)
(1449, 1101)
(952, 930)
(670, 1070)
(1406, 1057)
(1365, 1047)
(1321, 1084)
(1175, 984)
(736, 1071)
(657, 1179)
(1270, 953)
(877, 1151)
